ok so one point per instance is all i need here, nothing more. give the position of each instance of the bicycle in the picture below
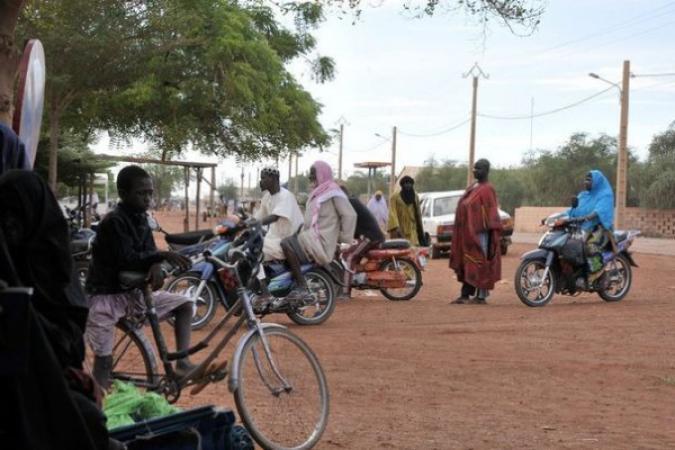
(273, 374)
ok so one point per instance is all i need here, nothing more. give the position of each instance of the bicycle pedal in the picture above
(208, 377)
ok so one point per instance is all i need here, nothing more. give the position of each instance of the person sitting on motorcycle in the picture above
(367, 233)
(329, 219)
(279, 209)
(124, 242)
(595, 212)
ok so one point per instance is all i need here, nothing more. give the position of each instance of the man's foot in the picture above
(300, 297)
(477, 301)
(184, 367)
(261, 302)
(460, 301)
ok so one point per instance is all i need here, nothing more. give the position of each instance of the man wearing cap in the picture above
(279, 209)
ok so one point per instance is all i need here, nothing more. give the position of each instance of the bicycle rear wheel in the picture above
(282, 414)
(133, 357)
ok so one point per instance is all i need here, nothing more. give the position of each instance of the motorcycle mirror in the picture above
(574, 202)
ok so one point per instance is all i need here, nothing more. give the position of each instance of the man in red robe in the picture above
(475, 255)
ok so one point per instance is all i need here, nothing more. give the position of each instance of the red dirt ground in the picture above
(423, 374)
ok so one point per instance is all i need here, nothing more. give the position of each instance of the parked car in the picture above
(438, 218)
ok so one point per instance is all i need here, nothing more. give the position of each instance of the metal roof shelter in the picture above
(187, 165)
(372, 167)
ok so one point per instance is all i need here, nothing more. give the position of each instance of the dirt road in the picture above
(578, 373)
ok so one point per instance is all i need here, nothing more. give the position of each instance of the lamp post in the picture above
(622, 157)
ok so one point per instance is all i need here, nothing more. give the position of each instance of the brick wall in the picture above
(528, 218)
(652, 222)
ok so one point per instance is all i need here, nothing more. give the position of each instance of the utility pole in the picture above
(342, 122)
(622, 163)
(290, 169)
(475, 72)
(241, 193)
(392, 178)
(295, 183)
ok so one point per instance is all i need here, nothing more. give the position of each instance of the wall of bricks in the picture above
(651, 222)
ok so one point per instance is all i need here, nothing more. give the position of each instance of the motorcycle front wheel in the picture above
(532, 287)
(620, 279)
(204, 306)
(413, 282)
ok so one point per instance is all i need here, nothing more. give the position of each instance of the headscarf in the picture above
(600, 199)
(12, 151)
(379, 207)
(42, 260)
(326, 188)
(408, 196)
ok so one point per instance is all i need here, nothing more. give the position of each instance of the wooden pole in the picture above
(622, 159)
(199, 189)
(295, 184)
(472, 137)
(392, 178)
(212, 195)
(186, 220)
(342, 131)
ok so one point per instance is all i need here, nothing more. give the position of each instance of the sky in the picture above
(395, 70)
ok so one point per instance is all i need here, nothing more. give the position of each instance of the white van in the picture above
(438, 218)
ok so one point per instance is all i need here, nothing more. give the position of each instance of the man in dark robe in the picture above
(475, 255)
(47, 399)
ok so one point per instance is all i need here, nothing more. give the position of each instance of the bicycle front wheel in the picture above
(282, 397)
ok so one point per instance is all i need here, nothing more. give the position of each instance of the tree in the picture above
(444, 176)
(357, 183)
(165, 180)
(514, 14)
(228, 191)
(658, 176)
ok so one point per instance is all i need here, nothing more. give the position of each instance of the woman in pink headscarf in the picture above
(329, 219)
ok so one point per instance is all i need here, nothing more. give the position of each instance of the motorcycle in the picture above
(81, 240)
(208, 285)
(394, 267)
(559, 265)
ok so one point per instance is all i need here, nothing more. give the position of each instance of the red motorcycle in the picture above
(394, 267)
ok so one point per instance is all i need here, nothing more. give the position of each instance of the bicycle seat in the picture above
(395, 244)
(189, 238)
(132, 280)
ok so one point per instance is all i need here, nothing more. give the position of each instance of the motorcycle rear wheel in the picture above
(204, 307)
(618, 270)
(321, 287)
(527, 281)
(413, 283)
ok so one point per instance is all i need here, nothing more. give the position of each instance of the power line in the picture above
(547, 113)
(370, 149)
(436, 133)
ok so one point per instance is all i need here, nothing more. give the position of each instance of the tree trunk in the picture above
(54, 116)
(9, 57)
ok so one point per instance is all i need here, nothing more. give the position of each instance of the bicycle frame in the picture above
(205, 372)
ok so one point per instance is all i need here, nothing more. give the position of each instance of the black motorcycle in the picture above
(559, 265)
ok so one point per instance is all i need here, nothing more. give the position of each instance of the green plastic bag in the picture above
(126, 405)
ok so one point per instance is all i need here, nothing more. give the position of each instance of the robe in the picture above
(477, 213)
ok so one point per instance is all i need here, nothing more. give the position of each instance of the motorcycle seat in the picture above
(395, 244)
(620, 236)
(130, 280)
(79, 245)
(189, 238)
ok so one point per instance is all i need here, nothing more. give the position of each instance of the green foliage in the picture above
(444, 176)
(525, 14)
(206, 73)
(658, 175)
(75, 160)
(357, 183)
(165, 179)
(228, 191)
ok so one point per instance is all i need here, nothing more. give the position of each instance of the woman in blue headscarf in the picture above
(595, 211)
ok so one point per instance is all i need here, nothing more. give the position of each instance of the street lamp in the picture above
(622, 157)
